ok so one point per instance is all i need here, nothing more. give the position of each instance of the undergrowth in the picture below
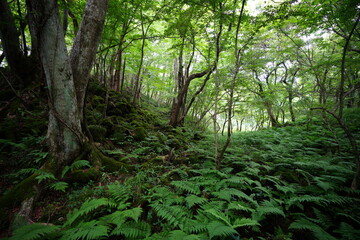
(285, 183)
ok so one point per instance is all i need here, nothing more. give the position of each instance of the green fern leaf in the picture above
(193, 200)
(88, 230)
(348, 232)
(219, 229)
(44, 176)
(187, 186)
(196, 226)
(75, 165)
(119, 192)
(86, 208)
(180, 235)
(240, 206)
(307, 198)
(59, 186)
(267, 207)
(219, 216)
(245, 222)
(133, 230)
(319, 233)
(33, 232)
(119, 217)
(173, 214)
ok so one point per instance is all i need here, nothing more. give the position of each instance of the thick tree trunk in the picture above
(64, 130)
(85, 47)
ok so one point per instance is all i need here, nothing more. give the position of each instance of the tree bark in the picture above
(85, 46)
(64, 130)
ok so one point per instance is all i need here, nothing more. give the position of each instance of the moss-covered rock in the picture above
(98, 132)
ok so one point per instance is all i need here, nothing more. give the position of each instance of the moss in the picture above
(84, 176)
(98, 132)
(19, 193)
(139, 134)
(109, 164)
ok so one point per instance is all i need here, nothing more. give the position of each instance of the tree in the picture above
(67, 78)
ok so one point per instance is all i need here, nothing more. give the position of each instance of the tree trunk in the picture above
(85, 46)
(9, 36)
(64, 130)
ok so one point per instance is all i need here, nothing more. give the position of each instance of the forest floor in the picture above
(281, 183)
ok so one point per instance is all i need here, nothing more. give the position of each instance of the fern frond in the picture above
(227, 193)
(195, 226)
(307, 198)
(267, 207)
(133, 230)
(219, 229)
(348, 232)
(86, 208)
(219, 216)
(218, 205)
(33, 232)
(245, 222)
(180, 235)
(88, 230)
(75, 165)
(119, 217)
(119, 192)
(59, 186)
(323, 219)
(319, 233)
(173, 214)
(187, 186)
(193, 200)
(240, 206)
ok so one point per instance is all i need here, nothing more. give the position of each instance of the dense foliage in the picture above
(179, 119)
(284, 183)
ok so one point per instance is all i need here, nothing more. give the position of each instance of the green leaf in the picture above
(219, 229)
(244, 222)
(59, 186)
(34, 232)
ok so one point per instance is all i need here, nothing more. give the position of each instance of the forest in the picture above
(179, 119)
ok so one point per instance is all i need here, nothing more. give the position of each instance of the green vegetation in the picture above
(284, 183)
(179, 119)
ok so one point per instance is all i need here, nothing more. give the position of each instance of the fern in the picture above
(348, 232)
(86, 208)
(180, 235)
(173, 214)
(59, 186)
(120, 217)
(307, 198)
(132, 230)
(193, 200)
(239, 206)
(44, 176)
(219, 216)
(86, 230)
(245, 222)
(266, 208)
(318, 232)
(119, 192)
(219, 229)
(34, 232)
(75, 165)
(196, 226)
(187, 186)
